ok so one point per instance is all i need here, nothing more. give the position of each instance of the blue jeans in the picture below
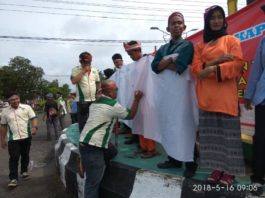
(93, 161)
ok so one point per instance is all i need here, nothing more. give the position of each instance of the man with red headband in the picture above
(133, 49)
(87, 81)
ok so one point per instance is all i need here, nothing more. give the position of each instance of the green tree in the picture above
(65, 90)
(22, 77)
(27, 80)
(53, 87)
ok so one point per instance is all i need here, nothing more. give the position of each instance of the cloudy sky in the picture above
(103, 23)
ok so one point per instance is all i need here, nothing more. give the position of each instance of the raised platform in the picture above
(128, 175)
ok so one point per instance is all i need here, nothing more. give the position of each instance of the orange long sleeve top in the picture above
(218, 95)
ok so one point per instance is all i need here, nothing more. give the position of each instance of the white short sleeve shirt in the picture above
(18, 121)
(86, 87)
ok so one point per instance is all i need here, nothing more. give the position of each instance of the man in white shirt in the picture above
(18, 123)
(62, 109)
(87, 81)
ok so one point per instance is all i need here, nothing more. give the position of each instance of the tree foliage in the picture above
(54, 88)
(22, 77)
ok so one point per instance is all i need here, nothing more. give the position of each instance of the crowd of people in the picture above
(181, 93)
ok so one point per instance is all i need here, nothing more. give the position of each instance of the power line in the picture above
(82, 10)
(79, 40)
(174, 4)
(80, 15)
(98, 11)
(90, 16)
(54, 75)
(67, 43)
(108, 5)
(155, 3)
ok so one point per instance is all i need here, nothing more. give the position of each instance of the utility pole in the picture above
(232, 6)
(164, 32)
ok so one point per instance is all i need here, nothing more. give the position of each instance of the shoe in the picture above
(257, 189)
(227, 179)
(215, 176)
(168, 164)
(12, 183)
(25, 176)
(189, 172)
(130, 141)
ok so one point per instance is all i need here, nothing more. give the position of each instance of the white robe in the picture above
(168, 111)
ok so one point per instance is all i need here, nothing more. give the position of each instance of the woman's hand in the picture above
(224, 58)
(219, 60)
(206, 71)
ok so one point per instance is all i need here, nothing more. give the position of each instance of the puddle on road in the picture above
(39, 165)
(33, 164)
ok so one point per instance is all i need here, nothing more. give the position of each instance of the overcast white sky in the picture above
(88, 19)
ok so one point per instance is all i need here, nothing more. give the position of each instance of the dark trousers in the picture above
(94, 160)
(17, 148)
(52, 125)
(62, 121)
(258, 153)
(82, 113)
(74, 117)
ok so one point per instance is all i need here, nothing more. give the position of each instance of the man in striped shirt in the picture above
(20, 123)
(97, 132)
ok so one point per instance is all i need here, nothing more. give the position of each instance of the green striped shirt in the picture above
(103, 114)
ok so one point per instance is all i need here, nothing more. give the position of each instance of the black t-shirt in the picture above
(49, 105)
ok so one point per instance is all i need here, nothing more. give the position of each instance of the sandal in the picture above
(215, 176)
(227, 179)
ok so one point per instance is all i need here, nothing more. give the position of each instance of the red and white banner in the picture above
(248, 24)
